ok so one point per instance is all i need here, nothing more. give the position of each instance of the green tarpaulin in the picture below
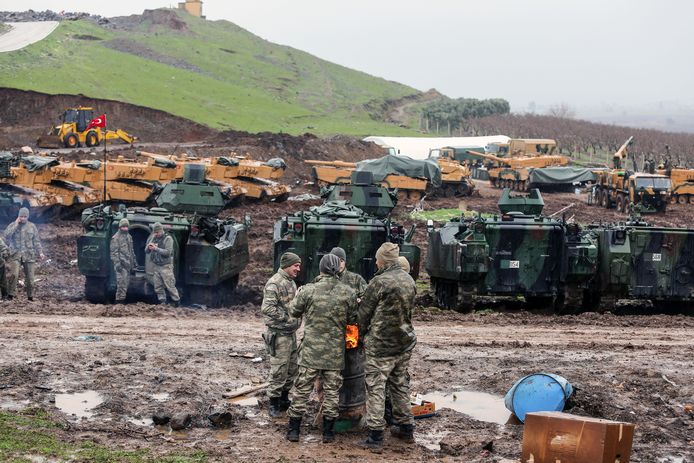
(561, 175)
(402, 165)
(33, 163)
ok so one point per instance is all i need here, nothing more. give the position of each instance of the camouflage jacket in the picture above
(277, 294)
(162, 256)
(4, 251)
(354, 281)
(324, 304)
(23, 241)
(122, 254)
(385, 313)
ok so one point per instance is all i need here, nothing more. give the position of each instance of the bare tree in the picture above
(562, 110)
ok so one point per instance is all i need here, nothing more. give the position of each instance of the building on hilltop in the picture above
(193, 7)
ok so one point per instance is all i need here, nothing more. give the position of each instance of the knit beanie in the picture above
(329, 264)
(388, 253)
(404, 263)
(23, 212)
(339, 252)
(288, 259)
(157, 227)
(123, 223)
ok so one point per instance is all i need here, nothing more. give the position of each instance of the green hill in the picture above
(212, 72)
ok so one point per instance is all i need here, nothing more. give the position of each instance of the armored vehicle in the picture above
(354, 217)
(209, 253)
(517, 253)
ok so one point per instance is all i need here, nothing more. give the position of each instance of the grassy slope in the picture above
(257, 86)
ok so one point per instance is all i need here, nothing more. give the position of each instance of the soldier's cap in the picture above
(329, 264)
(157, 227)
(123, 223)
(404, 263)
(388, 253)
(339, 252)
(288, 259)
(23, 212)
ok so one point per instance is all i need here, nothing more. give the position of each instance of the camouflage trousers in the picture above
(283, 364)
(122, 282)
(12, 276)
(303, 386)
(164, 281)
(390, 371)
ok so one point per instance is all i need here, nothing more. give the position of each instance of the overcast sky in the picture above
(583, 52)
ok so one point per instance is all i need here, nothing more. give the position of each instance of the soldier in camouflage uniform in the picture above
(22, 238)
(351, 279)
(4, 252)
(280, 337)
(122, 258)
(325, 305)
(159, 265)
(385, 320)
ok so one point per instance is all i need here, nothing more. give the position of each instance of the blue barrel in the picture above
(540, 392)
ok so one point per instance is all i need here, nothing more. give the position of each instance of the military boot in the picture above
(285, 403)
(403, 432)
(274, 410)
(293, 429)
(328, 430)
(375, 440)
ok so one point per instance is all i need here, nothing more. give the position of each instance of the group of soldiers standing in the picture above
(159, 264)
(20, 247)
(382, 310)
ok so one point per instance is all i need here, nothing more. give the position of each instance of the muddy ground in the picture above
(152, 359)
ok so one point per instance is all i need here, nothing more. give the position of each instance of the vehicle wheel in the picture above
(91, 139)
(620, 203)
(416, 195)
(492, 180)
(463, 189)
(71, 141)
(449, 191)
(95, 290)
(605, 199)
(446, 294)
(523, 185)
(683, 199)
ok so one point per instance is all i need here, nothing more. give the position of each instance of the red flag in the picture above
(97, 122)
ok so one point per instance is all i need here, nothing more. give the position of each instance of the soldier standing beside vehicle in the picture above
(159, 264)
(280, 337)
(25, 246)
(325, 305)
(351, 279)
(385, 320)
(122, 258)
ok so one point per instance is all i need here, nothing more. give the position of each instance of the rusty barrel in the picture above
(353, 391)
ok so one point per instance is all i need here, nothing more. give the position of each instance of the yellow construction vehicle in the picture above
(78, 127)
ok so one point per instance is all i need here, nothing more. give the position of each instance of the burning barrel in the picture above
(353, 391)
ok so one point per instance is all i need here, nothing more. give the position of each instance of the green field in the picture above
(215, 73)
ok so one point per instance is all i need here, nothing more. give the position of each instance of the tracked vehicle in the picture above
(517, 253)
(209, 253)
(354, 217)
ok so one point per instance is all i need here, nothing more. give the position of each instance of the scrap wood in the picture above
(244, 390)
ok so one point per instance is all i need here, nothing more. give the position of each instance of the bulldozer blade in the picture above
(49, 141)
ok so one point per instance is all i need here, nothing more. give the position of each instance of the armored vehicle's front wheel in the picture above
(95, 290)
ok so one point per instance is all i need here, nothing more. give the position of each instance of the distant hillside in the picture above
(211, 72)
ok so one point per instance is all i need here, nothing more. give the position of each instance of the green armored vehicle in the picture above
(518, 253)
(639, 261)
(209, 253)
(353, 217)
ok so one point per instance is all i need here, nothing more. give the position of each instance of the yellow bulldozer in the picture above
(78, 127)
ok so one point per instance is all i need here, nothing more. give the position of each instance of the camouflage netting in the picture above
(402, 165)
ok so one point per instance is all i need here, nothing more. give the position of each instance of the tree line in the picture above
(453, 115)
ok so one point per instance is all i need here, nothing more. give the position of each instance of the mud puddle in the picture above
(478, 405)
(79, 404)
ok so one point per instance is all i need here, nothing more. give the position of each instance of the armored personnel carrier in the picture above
(517, 253)
(209, 253)
(354, 217)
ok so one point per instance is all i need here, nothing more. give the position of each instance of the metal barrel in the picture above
(353, 391)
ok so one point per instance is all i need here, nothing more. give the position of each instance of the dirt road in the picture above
(22, 34)
(635, 369)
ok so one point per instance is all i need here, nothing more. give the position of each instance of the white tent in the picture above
(418, 147)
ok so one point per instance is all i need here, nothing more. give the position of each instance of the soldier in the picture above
(325, 305)
(159, 265)
(351, 279)
(4, 252)
(25, 246)
(385, 320)
(122, 258)
(280, 337)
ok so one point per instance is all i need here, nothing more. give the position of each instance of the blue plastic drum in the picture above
(541, 392)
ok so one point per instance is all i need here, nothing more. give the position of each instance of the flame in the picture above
(351, 336)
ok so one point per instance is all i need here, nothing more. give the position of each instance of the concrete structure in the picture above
(193, 7)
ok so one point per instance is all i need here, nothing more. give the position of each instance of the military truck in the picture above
(209, 253)
(518, 253)
(354, 217)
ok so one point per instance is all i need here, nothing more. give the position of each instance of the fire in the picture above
(351, 336)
